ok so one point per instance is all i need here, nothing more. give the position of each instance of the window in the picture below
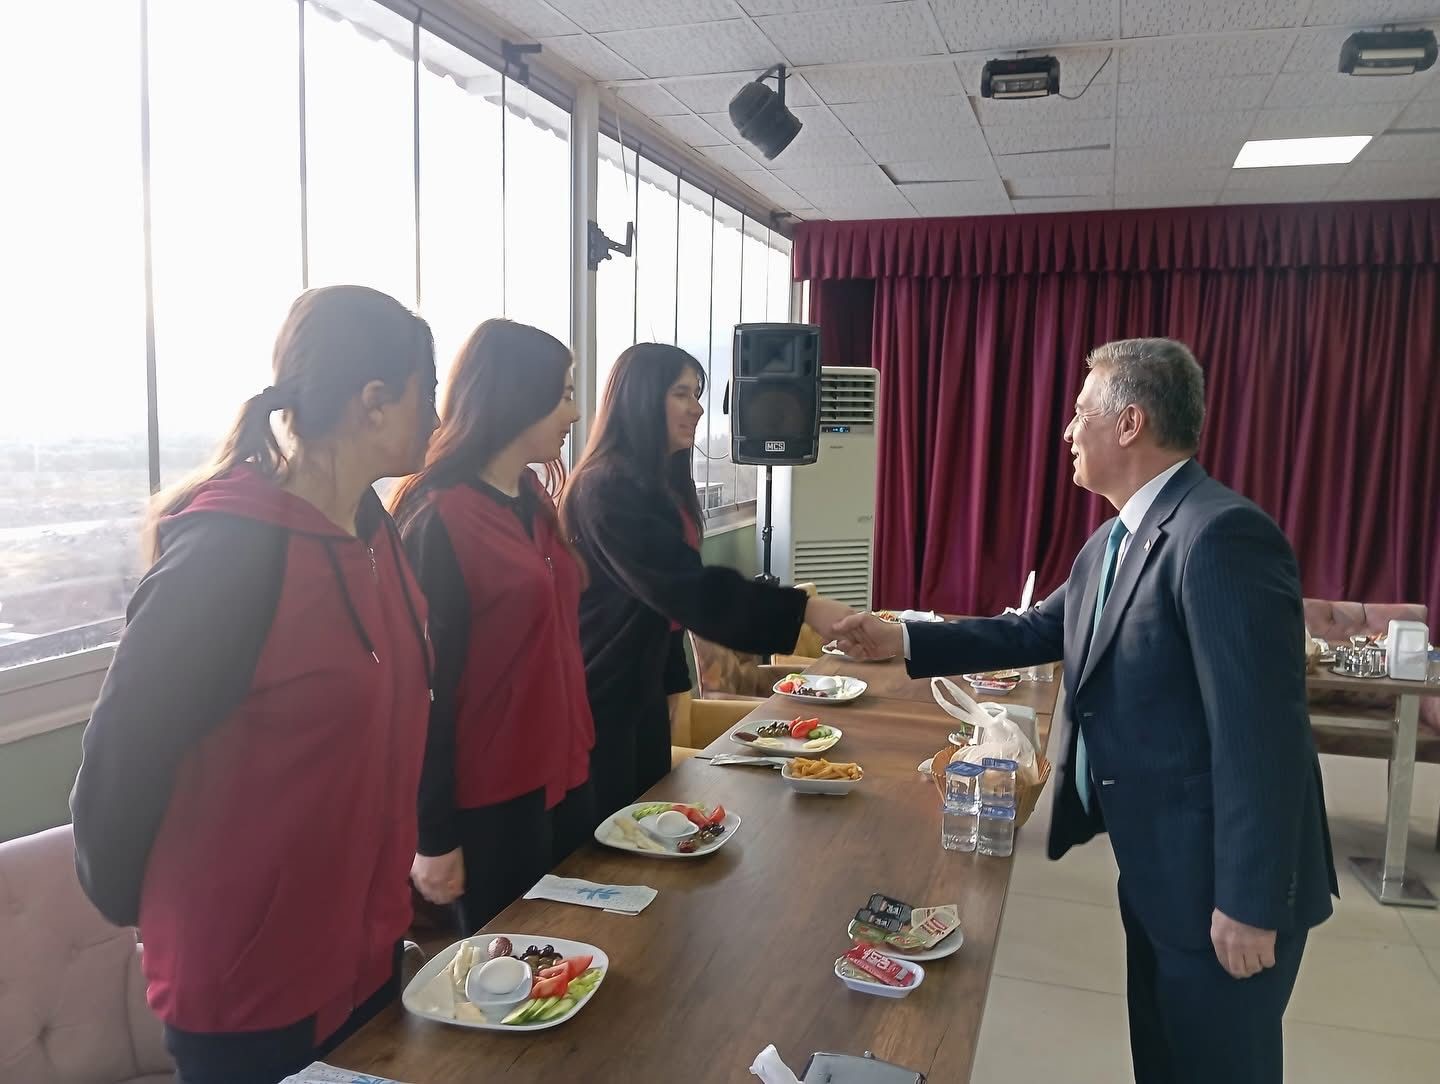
(282, 153)
(700, 267)
(74, 472)
(225, 219)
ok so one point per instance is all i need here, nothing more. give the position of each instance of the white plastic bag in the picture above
(995, 733)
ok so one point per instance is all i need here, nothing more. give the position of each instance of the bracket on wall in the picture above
(515, 55)
(600, 247)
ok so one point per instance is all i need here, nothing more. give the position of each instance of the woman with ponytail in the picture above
(505, 790)
(247, 794)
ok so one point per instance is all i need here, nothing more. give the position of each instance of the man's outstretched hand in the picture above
(865, 636)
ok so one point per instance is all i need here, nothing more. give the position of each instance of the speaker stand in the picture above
(767, 533)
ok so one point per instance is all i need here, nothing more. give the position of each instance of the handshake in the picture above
(861, 636)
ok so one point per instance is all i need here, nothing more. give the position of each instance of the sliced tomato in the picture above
(552, 987)
(695, 816)
(786, 687)
(561, 970)
(578, 965)
(801, 728)
(718, 817)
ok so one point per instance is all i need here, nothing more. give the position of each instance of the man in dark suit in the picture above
(1187, 736)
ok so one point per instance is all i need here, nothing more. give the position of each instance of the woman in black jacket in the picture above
(632, 511)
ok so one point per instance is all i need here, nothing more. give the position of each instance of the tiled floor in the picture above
(1366, 1006)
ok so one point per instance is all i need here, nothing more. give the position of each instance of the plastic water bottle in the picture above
(960, 813)
(996, 834)
(997, 785)
(959, 827)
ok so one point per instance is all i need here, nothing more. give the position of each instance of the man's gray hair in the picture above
(1163, 379)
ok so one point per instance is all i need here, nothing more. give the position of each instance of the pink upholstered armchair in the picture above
(1337, 621)
(72, 1000)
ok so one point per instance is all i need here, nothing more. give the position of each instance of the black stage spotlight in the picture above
(760, 115)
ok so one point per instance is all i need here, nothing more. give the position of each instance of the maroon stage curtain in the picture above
(1318, 327)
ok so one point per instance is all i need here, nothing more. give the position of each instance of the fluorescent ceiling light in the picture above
(1316, 151)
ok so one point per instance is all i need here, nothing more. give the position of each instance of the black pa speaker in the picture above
(775, 394)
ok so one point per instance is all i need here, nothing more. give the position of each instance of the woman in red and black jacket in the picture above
(505, 793)
(247, 790)
(633, 513)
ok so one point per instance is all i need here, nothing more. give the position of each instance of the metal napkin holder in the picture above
(1365, 661)
(848, 1069)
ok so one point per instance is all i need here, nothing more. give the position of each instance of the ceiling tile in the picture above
(1097, 102)
(866, 33)
(722, 123)
(822, 141)
(1403, 147)
(1270, 178)
(847, 178)
(652, 99)
(1028, 188)
(599, 16)
(909, 144)
(1017, 24)
(1278, 195)
(533, 17)
(906, 82)
(731, 157)
(940, 115)
(1307, 89)
(1326, 121)
(1385, 190)
(1421, 173)
(1062, 203)
(1192, 95)
(957, 198)
(1170, 129)
(591, 57)
(1419, 115)
(781, 7)
(712, 94)
(864, 212)
(731, 46)
(1212, 57)
(1183, 157)
(1171, 198)
(932, 169)
(1132, 182)
(1048, 163)
(692, 130)
(1317, 50)
(770, 186)
(1077, 68)
(1369, 12)
(1151, 18)
(1024, 138)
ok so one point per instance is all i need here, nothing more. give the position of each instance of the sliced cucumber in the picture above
(564, 1005)
(517, 1014)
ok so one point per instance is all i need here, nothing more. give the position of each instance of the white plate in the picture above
(820, 786)
(418, 1000)
(610, 836)
(783, 747)
(896, 617)
(850, 689)
(947, 947)
(831, 649)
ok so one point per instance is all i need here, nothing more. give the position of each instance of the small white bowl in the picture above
(819, 786)
(648, 827)
(483, 999)
(879, 989)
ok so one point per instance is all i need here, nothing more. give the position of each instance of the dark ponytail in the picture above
(335, 340)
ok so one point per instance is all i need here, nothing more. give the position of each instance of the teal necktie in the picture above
(1107, 575)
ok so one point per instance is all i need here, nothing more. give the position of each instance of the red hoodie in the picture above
(510, 713)
(248, 787)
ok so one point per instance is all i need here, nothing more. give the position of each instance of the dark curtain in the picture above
(1318, 327)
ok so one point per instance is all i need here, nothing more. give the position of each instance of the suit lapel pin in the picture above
(1147, 545)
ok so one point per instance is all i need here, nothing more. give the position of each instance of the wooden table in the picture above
(889, 681)
(1386, 877)
(738, 949)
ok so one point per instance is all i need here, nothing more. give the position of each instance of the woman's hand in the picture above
(441, 879)
(823, 614)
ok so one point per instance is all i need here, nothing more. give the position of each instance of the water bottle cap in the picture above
(1000, 764)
